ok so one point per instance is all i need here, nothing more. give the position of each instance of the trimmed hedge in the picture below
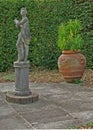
(45, 16)
(85, 14)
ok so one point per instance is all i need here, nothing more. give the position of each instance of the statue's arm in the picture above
(22, 22)
(16, 22)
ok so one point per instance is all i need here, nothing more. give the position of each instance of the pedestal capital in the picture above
(21, 64)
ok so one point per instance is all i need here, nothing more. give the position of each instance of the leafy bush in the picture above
(45, 16)
(69, 37)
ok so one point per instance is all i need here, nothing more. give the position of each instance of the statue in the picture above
(23, 37)
(22, 93)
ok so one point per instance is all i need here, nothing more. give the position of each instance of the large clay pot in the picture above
(71, 64)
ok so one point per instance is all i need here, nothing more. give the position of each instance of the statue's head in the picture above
(23, 11)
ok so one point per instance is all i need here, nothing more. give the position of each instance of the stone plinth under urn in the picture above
(22, 93)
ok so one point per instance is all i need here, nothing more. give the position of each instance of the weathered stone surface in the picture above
(11, 97)
(23, 37)
(60, 106)
(22, 78)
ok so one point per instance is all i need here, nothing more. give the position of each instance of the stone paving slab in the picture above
(46, 115)
(66, 124)
(12, 122)
(60, 106)
(9, 118)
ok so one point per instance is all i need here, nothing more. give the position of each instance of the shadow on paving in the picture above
(60, 106)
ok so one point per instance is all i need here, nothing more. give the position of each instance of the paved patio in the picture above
(60, 105)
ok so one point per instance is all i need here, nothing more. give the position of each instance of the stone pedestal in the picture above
(22, 92)
(22, 78)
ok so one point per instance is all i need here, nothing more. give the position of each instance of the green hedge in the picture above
(85, 13)
(45, 16)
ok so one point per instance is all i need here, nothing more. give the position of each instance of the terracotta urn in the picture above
(72, 65)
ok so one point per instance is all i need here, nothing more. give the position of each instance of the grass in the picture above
(7, 76)
(77, 81)
(86, 126)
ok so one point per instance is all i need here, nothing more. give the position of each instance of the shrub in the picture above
(69, 37)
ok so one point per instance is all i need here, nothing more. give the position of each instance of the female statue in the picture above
(23, 37)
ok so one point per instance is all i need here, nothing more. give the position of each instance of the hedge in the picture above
(45, 16)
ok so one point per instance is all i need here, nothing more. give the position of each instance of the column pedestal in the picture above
(22, 78)
(22, 93)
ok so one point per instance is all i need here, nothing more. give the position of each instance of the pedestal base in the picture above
(11, 97)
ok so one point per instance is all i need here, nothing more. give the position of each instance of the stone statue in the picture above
(23, 37)
(22, 93)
